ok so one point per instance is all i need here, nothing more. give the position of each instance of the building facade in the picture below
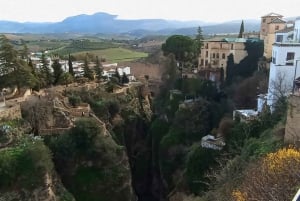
(284, 68)
(270, 23)
(214, 53)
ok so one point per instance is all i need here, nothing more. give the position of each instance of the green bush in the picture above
(74, 100)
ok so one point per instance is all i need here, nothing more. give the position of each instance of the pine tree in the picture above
(57, 71)
(241, 30)
(86, 69)
(14, 71)
(199, 40)
(8, 56)
(45, 71)
(71, 70)
(98, 68)
(24, 52)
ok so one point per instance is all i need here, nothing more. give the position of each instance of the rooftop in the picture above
(277, 21)
(273, 15)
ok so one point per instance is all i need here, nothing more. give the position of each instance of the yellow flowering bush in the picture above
(275, 177)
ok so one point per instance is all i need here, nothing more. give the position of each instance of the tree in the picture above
(24, 51)
(71, 70)
(87, 71)
(8, 56)
(125, 79)
(241, 30)
(117, 75)
(98, 68)
(57, 71)
(66, 78)
(45, 71)
(14, 71)
(229, 68)
(183, 47)
(199, 40)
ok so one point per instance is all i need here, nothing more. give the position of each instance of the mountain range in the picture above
(109, 24)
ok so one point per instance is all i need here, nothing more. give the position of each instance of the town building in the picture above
(214, 53)
(285, 61)
(270, 23)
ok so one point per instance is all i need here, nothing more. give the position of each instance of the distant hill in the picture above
(109, 24)
(223, 28)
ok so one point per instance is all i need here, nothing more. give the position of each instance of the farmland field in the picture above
(115, 54)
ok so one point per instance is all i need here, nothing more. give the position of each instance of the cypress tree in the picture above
(71, 70)
(86, 69)
(241, 30)
(98, 68)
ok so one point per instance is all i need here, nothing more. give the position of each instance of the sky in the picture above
(200, 10)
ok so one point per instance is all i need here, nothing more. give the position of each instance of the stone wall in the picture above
(292, 127)
(13, 112)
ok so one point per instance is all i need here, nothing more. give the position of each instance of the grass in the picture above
(116, 54)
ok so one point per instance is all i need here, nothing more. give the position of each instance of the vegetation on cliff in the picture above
(91, 165)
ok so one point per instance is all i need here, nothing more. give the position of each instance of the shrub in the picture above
(274, 177)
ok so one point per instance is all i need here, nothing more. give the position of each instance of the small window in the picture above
(214, 55)
(279, 38)
(263, 30)
(223, 56)
(206, 62)
(290, 58)
(232, 46)
(276, 27)
(206, 54)
(206, 46)
(202, 62)
(264, 20)
(217, 55)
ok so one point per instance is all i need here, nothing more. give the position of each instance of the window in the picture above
(263, 30)
(221, 45)
(206, 54)
(264, 20)
(217, 55)
(290, 58)
(232, 46)
(214, 55)
(206, 46)
(279, 38)
(202, 62)
(223, 56)
(206, 62)
(276, 27)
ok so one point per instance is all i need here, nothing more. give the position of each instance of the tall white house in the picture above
(285, 65)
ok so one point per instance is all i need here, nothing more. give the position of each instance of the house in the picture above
(215, 51)
(285, 61)
(270, 23)
(210, 142)
(245, 115)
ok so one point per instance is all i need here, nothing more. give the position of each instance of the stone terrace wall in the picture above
(13, 112)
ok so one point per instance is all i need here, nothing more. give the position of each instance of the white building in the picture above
(285, 60)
